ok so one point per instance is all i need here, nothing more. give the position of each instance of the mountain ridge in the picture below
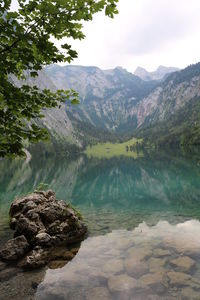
(159, 74)
(115, 104)
(104, 95)
(119, 102)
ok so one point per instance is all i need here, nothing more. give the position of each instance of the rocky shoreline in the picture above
(44, 230)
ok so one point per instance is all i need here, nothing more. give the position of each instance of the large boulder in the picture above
(40, 223)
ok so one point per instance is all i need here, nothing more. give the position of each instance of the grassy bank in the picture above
(108, 150)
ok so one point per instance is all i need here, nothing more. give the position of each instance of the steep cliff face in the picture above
(171, 115)
(55, 120)
(173, 94)
(42, 81)
(181, 128)
(105, 96)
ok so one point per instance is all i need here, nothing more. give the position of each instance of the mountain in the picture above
(105, 95)
(55, 120)
(171, 95)
(66, 135)
(116, 101)
(160, 73)
(116, 104)
(171, 113)
(181, 128)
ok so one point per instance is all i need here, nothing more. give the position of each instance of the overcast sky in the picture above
(145, 33)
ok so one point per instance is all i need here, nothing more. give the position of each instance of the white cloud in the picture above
(145, 32)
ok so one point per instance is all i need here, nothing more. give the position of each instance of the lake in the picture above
(143, 218)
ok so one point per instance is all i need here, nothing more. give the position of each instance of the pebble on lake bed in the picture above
(179, 279)
(185, 263)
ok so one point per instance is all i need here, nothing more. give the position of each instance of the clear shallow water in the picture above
(143, 218)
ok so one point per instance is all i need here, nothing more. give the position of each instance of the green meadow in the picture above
(108, 150)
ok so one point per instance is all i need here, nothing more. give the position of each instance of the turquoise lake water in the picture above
(143, 218)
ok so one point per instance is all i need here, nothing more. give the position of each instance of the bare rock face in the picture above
(41, 223)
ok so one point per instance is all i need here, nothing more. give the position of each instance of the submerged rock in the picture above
(98, 293)
(7, 273)
(179, 279)
(152, 279)
(161, 252)
(136, 268)
(139, 254)
(41, 223)
(156, 281)
(113, 266)
(14, 249)
(189, 293)
(57, 264)
(121, 283)
(156, 264)
(185, 263)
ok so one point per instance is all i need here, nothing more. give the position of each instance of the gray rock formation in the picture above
(55, 120)
(41, 223)
(159, 74)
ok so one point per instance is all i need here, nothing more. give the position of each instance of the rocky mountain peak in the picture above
(159, 74)
(142, 73)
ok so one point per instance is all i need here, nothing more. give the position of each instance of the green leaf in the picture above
(26, 44)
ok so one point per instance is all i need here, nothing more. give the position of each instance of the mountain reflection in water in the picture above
(143, 224)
